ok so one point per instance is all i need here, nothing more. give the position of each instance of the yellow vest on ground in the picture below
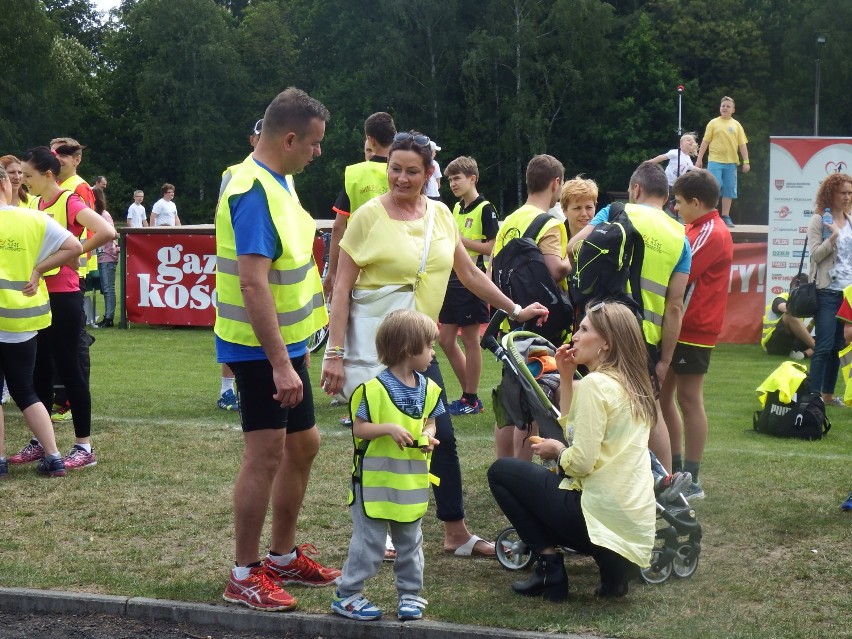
(770, 320)
(394, 483)
(20, 243)
(663, 238)
(293, 278)
(785, 379)
(364, 181)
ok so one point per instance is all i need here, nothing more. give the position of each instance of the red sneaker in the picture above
(29, 453)
(259, 591)
(78, 458)
(302, 570)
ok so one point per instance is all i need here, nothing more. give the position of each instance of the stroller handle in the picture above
(489, 341)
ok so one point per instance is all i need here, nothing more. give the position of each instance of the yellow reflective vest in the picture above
(770, 320)
(846, 355)
(663, 238)
(364, 181)
(470, 225)
(88, 261)
(393, 483)
(293, 277)
(59, 212)
(21, 237)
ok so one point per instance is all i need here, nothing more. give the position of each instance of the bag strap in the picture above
(537, 224)
(802, 260)
(430, 224)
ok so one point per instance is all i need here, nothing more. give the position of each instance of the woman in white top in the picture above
(164, 212)
(602, 501)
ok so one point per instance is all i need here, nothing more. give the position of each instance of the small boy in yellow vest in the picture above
(844, 314)
(394, 434)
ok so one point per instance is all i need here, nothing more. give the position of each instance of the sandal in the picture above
(469, 549)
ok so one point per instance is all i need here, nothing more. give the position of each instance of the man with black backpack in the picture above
(529, 260)
(662, 278)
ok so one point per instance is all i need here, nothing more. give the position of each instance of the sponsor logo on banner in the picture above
(777, 289)
(803, 229)
(171, 279)
(784, 212)
(799, 241)
(779, 184)
(835, 167)
(779, 264)
(780, 253)
(799, 253)
(780, 241)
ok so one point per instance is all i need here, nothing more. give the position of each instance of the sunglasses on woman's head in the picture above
(420, 139)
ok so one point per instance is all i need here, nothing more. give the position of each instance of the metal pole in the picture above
(816, 98)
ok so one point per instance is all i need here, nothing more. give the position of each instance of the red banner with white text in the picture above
(746, 295)
(171, 278)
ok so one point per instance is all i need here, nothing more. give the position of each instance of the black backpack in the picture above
(608, 259)
(520, 272)
(802, 418)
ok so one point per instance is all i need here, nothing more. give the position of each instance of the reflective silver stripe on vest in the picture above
(414, 497)
(290, 318)
(653, 318)
(12, 285)
(276, 276)
(397, 466)
(652, 286)
(846, 360)
(21, 313)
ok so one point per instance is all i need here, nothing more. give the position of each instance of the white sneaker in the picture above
(797, 355)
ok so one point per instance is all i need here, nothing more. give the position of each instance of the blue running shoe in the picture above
(51, 467)
(4, 470)
(410, 608)
(693, 492)
(463, 407)
(355, 606)
(847, 505)
(228, 401)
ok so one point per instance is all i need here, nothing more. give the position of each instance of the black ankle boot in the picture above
(616, 575)
(105, 323)
(549, 579)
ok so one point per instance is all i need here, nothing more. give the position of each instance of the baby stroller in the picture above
(520, 399)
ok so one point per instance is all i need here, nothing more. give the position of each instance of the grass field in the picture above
(153, 518)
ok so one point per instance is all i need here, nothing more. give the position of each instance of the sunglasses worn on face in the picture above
(419, 139)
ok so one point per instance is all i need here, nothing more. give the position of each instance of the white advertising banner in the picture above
(797, 166)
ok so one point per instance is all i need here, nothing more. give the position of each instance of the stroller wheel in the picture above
(512, 553)
(655, 573)
(686, 561)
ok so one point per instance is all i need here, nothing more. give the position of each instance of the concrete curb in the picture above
(292, 624)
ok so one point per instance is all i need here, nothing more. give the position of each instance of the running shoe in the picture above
(837, 402)
(6, 396)
(355, 606)
(259, 591)
(228, 401)
(346, 422)
(4, 469)
(728, 221)
(51, 467)
(77, 457)
(302, 570)
(694, 491)
(28, 454)
(410, 607)
(671, 486)
(847, 505)
(61, 414)
(463, 407)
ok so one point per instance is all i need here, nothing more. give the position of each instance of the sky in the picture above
(106, 5)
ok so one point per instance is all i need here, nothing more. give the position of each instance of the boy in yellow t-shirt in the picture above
(725, 136)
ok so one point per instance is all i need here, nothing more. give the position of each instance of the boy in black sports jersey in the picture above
(477, 222)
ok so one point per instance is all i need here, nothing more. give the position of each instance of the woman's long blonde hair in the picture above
(627, 357)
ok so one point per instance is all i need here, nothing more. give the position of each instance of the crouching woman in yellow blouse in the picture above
(602, 501)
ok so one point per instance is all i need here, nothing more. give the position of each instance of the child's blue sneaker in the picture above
(847, 505)
(355, 606)
(694, 492)
(410, 607)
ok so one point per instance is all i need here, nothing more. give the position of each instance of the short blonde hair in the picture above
(403, 334)
(464, 165)
(727, 98)
(579, 188)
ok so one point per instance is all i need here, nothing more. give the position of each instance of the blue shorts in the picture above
(726, 175)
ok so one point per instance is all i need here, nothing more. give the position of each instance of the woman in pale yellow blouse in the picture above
(602, 501)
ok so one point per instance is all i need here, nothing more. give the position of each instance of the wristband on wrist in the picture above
(745, 162)
(515, 312)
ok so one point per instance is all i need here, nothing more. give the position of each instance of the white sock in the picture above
(282, 560)
(241, 572)
(86, 447)
(227, 385)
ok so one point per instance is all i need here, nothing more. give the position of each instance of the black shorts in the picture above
(258, 411)
(781, 342)
(691, 360)
(463, 308)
